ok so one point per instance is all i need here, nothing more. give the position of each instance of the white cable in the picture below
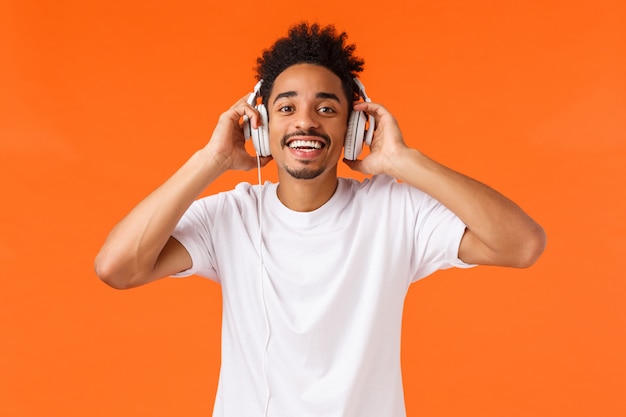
(266, 315)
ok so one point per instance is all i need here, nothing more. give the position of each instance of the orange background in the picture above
(101, 101)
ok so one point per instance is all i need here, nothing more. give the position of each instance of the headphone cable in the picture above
(262, 271)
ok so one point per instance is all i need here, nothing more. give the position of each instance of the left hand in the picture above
(386, 143)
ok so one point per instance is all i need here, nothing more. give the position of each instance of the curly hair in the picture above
(313, 44)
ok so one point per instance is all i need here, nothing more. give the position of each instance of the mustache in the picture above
(325, 138)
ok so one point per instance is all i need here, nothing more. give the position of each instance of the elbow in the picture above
(111, 275)
(532, 248)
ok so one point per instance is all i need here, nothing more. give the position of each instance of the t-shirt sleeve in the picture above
(193, 231)
(438, 234)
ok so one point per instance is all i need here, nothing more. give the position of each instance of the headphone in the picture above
(360, 126)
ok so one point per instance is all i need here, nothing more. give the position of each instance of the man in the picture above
(314, 269)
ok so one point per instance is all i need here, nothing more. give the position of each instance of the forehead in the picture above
(307, 79)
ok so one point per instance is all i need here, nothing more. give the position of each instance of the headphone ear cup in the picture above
(260, 136)
(353, 142)
(264, 132)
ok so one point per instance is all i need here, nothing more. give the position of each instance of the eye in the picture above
(326, 109)
(285, 109)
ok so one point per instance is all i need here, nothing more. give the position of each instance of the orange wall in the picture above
(101, 101)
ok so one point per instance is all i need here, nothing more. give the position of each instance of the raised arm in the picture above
(498, 231)
(140, 248)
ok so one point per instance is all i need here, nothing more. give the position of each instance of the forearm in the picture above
(498, 231)
(504, 233)
(131, 250)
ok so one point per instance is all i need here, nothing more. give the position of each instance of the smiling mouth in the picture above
(305, 141)
(306, 145)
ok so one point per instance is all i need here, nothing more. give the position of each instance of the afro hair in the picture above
(313, 44)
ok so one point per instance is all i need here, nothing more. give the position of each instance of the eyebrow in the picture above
(323, 95)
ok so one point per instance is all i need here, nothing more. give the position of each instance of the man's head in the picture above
(308, 89)
(316, 45)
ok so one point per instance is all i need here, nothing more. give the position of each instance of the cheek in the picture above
(340, 132)
(272, 126)
(275, 137)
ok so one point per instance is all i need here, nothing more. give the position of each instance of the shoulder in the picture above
(211, 207)
(241, 193)
(381, 185)
(370, 183)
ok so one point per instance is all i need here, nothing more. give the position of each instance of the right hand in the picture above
(227, 142)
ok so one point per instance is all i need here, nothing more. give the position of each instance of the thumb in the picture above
(265, 160)
(354, 165)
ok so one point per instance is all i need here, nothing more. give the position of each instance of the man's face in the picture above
(308, 113)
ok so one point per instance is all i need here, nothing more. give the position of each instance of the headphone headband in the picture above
(255, 93)
(362, 92)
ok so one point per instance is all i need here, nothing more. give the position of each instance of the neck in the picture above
(306, 195)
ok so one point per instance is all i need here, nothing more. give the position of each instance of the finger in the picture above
(242, 104)
(373, 109)
(244, 110)
(368, 107)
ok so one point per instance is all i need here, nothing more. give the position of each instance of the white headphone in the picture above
(261, 136)
(360, 126)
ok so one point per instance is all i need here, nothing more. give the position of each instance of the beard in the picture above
(304, 173)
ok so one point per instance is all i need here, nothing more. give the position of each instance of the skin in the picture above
(307, 100)
(307, 103)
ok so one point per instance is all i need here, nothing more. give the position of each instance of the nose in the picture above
(307, 119)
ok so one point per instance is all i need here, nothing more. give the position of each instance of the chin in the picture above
(304, 173)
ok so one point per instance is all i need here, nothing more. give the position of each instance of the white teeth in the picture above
(305, 144)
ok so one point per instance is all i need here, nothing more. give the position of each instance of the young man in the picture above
(314, 269)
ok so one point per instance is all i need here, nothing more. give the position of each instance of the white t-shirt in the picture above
(312, 322)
